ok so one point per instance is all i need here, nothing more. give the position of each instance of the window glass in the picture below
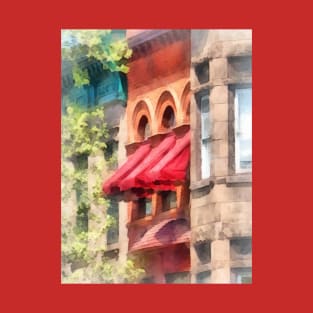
(144, 207)
(243, 104)
(241, 276)
(205, 158)
(205, 137)
(168, 120)
(144, 128)
(168, 200)
(113, 231)
(205, 122)
(203, 277)
(177, 278)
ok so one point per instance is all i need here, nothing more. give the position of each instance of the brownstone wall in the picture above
(221, 205)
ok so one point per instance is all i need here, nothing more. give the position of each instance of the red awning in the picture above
(154, 157)
(159, 168)
(165, 233)
(112, 184)
(171, 169)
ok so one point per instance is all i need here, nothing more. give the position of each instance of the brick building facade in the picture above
(221, 193)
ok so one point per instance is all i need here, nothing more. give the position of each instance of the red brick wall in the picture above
(165, 68)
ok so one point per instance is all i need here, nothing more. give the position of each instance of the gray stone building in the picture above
(221, 156)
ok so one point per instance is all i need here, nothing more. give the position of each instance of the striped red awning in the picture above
(112, 184)
(165, 233)
(158, 168)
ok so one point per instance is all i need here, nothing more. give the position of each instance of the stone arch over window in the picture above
(141, 122)
(185, 101)
(166, 112)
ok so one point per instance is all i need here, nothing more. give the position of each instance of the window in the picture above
(239, 67)
(144, 207)
(168, 200)
(205, 137)
(203, 251)
(177, 278)
(203, 277)
(147, 280)
(110, 154)
(202, 72)
(241, 276)
(113, 231)
(144, 128)
(81, 163)
(240, 248)
(168, 120)
(243, 129)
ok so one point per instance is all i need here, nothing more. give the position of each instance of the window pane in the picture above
(147, 280)
(168, 200)
(245, 153)
(246, 280)
(244, 128)
(241, 276)
(178, 278)
(148, 207)
(144, 207)
(173, 202)
(205, 118)
(205, 158)
(204, 277)
(113, 231)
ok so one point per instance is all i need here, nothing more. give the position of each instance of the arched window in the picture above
(168, 120)
(143, 128)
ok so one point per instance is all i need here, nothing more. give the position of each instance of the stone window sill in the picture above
(112, 246)
(239, 178)
(200, 267)
(207, 182)
(245, 262)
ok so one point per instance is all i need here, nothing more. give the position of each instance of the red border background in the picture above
(31, 157)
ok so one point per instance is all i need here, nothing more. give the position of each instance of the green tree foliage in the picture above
(82, 250)
(82, 47)
(85, 133)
